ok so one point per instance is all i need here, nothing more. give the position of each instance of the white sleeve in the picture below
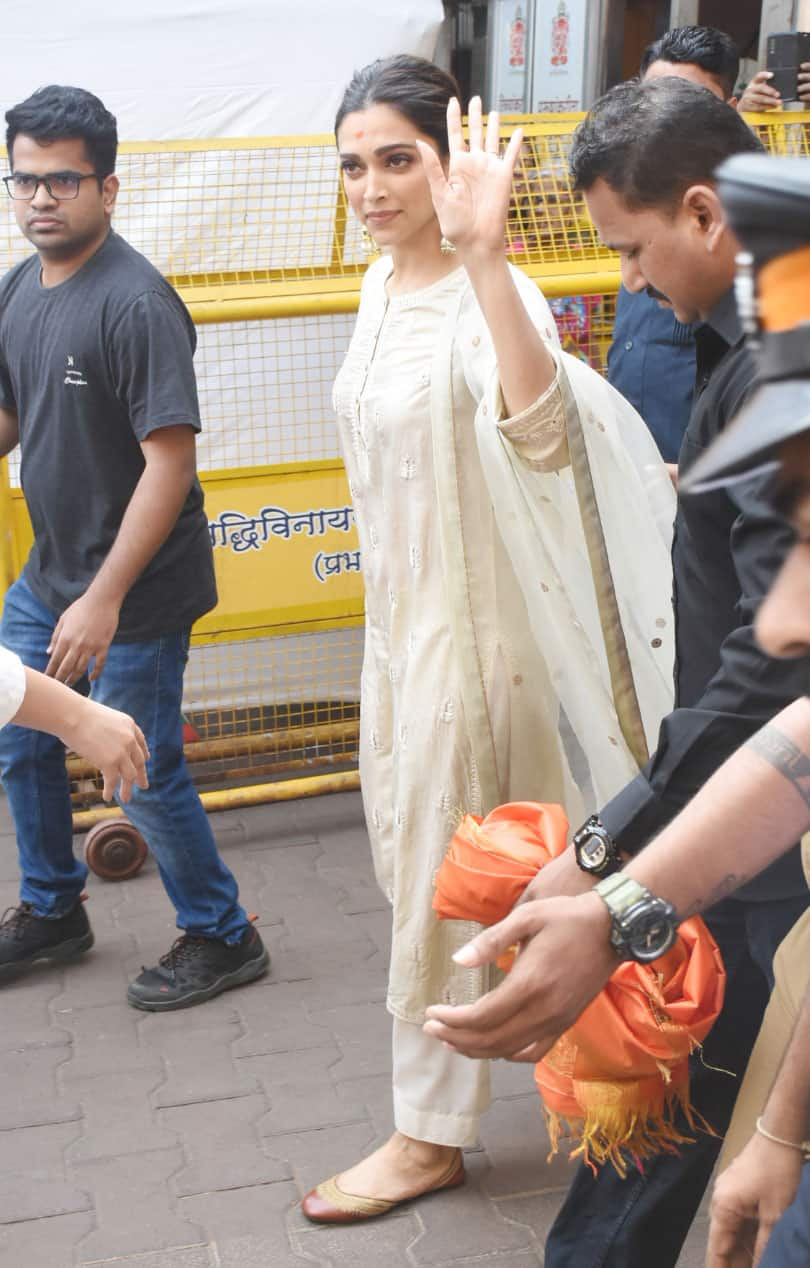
(12, 685)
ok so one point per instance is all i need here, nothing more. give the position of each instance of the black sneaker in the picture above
(197, 969)
(26, 938)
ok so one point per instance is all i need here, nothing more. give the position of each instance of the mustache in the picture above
(656, 294)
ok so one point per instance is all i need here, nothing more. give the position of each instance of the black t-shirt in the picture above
(92, 367)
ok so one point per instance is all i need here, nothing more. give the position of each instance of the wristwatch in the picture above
(643, 926)
(596, 851)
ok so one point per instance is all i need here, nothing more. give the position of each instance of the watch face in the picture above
(593, 853)
(651, 930)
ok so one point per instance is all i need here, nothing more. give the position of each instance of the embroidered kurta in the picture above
(420, 768)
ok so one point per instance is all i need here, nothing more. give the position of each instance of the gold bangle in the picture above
(801, 1146)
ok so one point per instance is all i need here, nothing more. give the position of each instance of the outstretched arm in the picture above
(472, 202)
(107, 738)
(752, 810)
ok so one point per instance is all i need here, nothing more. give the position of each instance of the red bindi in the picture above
(358, 135)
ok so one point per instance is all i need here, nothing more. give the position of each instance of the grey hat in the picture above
(767, 201)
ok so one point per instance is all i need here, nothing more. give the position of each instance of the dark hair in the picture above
(650, 141)
(418, 89)
(66, 114)
(703, 46)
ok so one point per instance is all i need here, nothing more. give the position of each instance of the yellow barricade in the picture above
(257, 237)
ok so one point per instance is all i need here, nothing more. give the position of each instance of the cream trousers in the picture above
(439, 1096)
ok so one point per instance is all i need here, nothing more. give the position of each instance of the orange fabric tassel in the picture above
(619, 1074)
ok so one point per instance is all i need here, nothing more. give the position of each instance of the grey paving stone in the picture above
(95, 978)
(181, 1038)
(693, 1254)
(363, 1034)
(509, 1259)
(514, 1137)
(249, 1226)
(376, 926)
(32, 1073)
(458, 1224)
(343, 973)
(43, 1243)
(379, 1242)
(222, 1146)
(33, 1182)
(316, 1155)
(356, 890)
(300, 1091)
(275, 1020)
(537, 1210)
(376, 1094)
(118, 1119)
(511, 1078)
(105, 1040)
(135, 1212)
(171, 1257)
(330, 815)
(27, 1021)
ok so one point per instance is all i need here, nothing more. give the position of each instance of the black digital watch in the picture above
(596, 851)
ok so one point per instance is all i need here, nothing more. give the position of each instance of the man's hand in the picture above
(803, 80)
(760, 95)
(83, 633)
(565, 962)
(562, 877)
(112, 742)
(748, 1199)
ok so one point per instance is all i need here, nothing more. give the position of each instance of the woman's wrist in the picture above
(785, 1141)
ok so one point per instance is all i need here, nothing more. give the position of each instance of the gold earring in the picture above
(369, 245)
(445, 246)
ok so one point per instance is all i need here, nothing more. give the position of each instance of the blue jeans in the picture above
(146, 681)
(789, 1243)
(641, 1221)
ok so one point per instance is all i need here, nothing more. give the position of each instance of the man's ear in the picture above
(703, 206)
(109, 193)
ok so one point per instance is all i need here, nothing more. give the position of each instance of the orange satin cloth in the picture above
(783, 291)
(618, 1074)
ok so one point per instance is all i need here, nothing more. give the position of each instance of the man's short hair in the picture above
(703, 46)
(57, 113)
(651, 141)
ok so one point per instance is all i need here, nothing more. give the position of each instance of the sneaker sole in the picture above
(247, 973)
(59, 954)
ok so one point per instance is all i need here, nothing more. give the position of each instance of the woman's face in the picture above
(383, 176)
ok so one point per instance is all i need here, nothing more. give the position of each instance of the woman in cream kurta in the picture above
(458, 707)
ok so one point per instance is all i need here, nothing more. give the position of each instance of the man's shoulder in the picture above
(17, 276)
(128, 271)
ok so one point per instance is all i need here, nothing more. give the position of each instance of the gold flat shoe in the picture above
(328, 1204)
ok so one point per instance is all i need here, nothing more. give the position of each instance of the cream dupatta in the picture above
(590, 546)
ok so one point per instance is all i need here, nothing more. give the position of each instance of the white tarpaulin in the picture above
(172, 69)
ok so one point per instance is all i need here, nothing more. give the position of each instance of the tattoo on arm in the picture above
(785, 756)
(722, 889)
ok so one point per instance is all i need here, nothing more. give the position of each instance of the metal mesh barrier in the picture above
(257, 237)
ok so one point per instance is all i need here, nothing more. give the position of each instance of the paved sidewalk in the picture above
(129, 1140)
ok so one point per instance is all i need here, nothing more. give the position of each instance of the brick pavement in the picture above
(129, 1140)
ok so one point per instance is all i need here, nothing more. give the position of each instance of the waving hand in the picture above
(472, 199)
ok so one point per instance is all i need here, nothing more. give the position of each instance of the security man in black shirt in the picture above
(645, 158)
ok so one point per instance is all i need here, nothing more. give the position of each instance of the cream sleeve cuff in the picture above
(12, 685)
(538, 432)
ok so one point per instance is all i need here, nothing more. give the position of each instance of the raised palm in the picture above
(472, 199)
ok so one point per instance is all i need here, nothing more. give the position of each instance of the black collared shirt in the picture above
(728, 547)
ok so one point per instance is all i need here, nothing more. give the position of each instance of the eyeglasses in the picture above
(60, 185)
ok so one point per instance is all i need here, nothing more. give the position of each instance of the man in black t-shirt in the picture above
(97, 386)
